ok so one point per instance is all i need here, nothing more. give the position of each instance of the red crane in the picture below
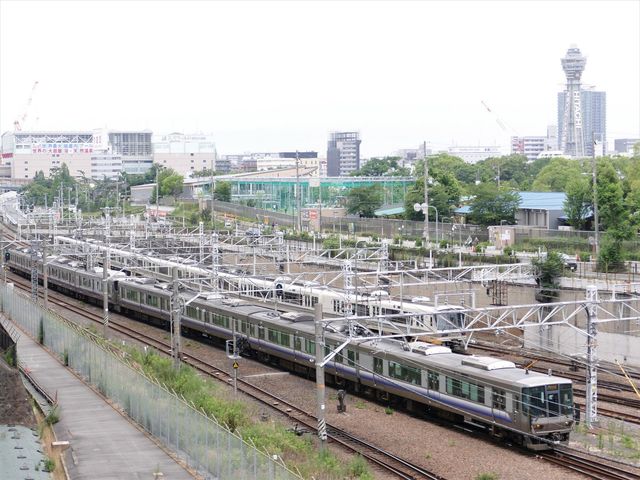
(18, 124)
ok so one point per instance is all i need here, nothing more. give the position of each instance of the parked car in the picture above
(569, 262)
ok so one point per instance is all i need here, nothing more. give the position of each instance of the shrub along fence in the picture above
(199, 440)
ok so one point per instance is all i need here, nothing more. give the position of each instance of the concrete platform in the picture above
(103, 444)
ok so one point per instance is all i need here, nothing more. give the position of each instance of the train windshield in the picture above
(450, 320)
(548, 400)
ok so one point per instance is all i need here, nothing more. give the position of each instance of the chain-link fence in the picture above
(197, 439)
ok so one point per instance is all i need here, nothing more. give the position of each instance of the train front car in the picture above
(547, 410)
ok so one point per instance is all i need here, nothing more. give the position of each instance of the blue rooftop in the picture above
(542, 200)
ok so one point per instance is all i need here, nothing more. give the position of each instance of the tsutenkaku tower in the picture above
(572, 141)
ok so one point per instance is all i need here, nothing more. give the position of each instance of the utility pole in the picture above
(213, 213)
(591, 394)
(322, 424)
(34, 271)
(45, 275)
(157, 194)
(105, 292)
(426, 195)
(595, 197)
(175, 318)
(298, 192)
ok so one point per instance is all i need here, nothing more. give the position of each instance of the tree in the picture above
(222, 191)
(364, 201)
(491, 205)
(511, 169)
(578, 202)
(611, 207)
(556, 175)
(378, 167)
(547, 272)
(444, 188)
(171, 185)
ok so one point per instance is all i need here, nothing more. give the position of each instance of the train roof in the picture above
(486, 368)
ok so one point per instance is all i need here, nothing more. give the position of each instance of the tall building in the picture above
(343, 153)
(582, 115)
(186, 153)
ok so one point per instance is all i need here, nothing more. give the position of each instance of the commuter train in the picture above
(531, 409)
(414, 314)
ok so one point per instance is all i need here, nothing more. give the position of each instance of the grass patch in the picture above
(53, 417)
(486, 476)
(388, 411)
(275, 439)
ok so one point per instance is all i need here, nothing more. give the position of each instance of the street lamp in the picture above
(423, 207)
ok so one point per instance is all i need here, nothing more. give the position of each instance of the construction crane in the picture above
(19, 123)
(503, 126)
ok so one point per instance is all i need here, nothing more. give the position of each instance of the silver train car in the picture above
(528, 408)
(414, 315)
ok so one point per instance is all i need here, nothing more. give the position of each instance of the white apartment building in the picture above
(106, 165)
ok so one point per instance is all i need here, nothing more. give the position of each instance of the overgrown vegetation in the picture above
(53, 417)
(10, 356)
(273, 438)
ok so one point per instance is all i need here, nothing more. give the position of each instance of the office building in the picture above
(105, 165)
(582, 115)
(474, 154)
(133, 146)
(25, 153)
(343, 153)
(528, 146)
(552, 138)
(186, 153)
(625, 145)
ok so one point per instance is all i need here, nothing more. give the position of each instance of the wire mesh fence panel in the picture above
(197, 439)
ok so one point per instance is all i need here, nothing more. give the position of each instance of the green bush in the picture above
(418, 242)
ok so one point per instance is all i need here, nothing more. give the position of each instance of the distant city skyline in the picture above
(266, 76)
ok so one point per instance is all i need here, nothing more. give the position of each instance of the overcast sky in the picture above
(271, 76)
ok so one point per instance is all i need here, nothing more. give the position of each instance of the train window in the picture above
(352, 358)
(534, 402)
(498, 399)
(566, 400)
(192, 312)
(377, 365)
(310, 346)
(297, 343)
(152, 300)
(403, 372)
(468, 390)
(132, 295)
(433, 379)
(261, 332)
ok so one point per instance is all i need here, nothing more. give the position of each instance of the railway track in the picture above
(387, 461)
(590, 466)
